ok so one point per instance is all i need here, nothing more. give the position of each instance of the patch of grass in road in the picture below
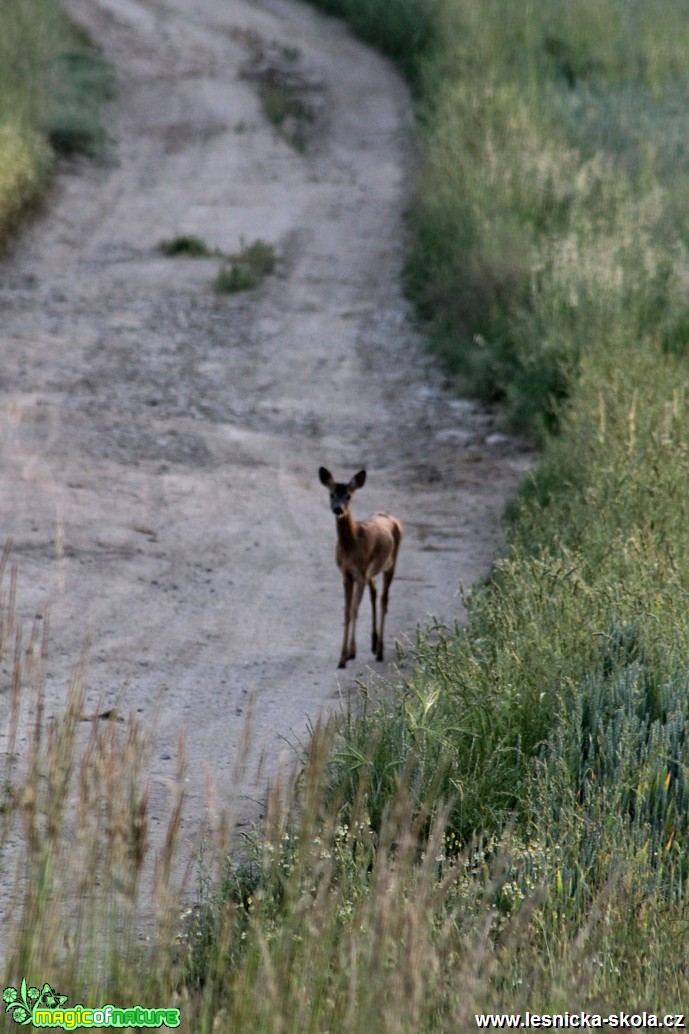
(186, 244)
(288, 94)
(241, 271)
(235, 278)
(290, 113)
(247, 268)
(258, 256)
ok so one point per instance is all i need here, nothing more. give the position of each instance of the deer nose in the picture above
(338, 511)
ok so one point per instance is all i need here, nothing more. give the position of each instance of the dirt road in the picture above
(160, 443)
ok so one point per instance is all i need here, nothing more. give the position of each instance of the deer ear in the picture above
(358, 480)
(326, 477)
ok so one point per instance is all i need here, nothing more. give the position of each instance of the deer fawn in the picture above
(365, 549)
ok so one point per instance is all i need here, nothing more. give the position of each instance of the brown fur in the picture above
(364, 550)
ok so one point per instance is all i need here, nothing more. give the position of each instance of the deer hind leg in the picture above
(348, 593)
(374, 633)
(387, 579)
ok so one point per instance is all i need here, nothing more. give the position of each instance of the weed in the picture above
(285, 90)
(258, 256)
(235, 278)
(186, 244)
(290, 114)
(245, 269)
(248, 268)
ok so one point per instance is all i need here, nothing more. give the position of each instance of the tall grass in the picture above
(76, 868)
(52, 87)
(543, 227)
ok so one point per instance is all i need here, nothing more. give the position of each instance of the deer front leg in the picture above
(374, 631)
(348, 582)
(358, 593)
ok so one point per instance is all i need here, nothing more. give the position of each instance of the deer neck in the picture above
(346, 531)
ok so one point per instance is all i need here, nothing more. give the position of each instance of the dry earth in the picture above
(160, 442)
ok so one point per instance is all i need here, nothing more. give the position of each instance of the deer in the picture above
(364, 550)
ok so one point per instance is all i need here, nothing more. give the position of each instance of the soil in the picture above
(160, 442)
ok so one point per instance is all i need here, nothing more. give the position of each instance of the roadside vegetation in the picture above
(52, 87)
(506, 829)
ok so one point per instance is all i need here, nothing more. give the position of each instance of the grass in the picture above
(288, 112)
(534, 242)
(73, 827)
(235, 278)
(25, 162)
(406, 32)
(186, 244)
(247, 268)
(83, 81)
(241, 271)
(284, 92)
(52, 88)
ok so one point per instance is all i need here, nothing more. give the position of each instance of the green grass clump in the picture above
(247, 268)
(258, 256)
(186, 244)
(235, 278)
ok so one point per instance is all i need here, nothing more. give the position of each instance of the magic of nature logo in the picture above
(46, 1007)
